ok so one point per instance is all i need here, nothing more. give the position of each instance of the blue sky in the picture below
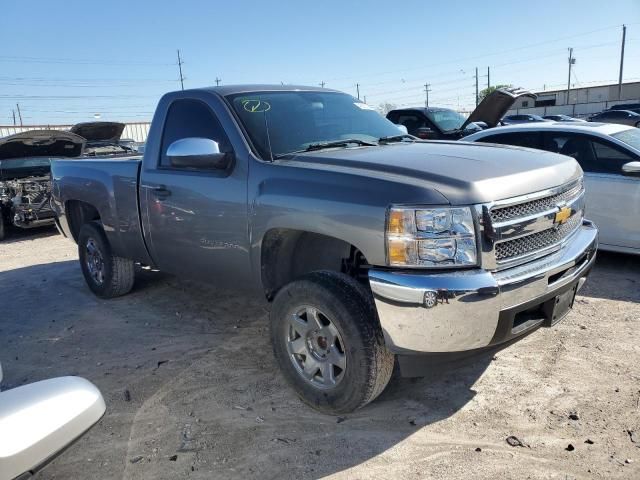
(65, 61)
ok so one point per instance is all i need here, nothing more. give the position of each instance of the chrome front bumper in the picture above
(469, 309)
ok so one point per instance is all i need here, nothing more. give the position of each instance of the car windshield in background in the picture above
(446, 120)
(631, 137)
(296, 120)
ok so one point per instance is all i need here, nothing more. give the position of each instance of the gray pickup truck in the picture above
(370, 244)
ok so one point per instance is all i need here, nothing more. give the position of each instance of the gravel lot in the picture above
(192, 390)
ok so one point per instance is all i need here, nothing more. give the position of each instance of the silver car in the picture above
(608, 153)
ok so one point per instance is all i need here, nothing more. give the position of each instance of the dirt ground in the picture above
(192, 390)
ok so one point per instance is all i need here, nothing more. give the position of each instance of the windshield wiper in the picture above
(396, 138)
(344, 142)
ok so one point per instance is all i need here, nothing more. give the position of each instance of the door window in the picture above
(412, 121)
(191, 118)
(593, 155)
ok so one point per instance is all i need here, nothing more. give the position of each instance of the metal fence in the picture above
(137, 131)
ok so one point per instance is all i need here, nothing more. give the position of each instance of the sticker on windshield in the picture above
(363, 106)
(256, 106)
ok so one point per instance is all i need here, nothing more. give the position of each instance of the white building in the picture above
(583, 101)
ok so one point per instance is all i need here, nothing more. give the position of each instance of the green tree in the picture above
(484, 92)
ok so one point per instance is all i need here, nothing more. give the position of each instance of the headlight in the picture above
(431, 237)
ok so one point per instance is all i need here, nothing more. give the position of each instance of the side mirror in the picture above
(195, 152)
(425, 133)
(631, 169)
(37, 421)
(403, 129)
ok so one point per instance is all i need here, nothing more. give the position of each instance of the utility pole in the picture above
(322, 84)
(180, 69)
(426, 91)
(488, 78)
(365, 99)
(218, 80)
(624, 35)
(19, 113)
(358, 90)
(477, 93)
(14, 116)
(572, 61)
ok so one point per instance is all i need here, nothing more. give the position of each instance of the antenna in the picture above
(266, 126)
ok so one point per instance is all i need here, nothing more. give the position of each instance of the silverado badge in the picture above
(562, 216)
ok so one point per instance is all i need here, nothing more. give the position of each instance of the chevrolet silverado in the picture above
(370, 244)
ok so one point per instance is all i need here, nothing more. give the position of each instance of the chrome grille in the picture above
(537, 241)
(524, 228)
(501, 214)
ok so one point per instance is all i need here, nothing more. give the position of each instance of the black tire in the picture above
(115, 275)
(340, 300)
(638, 125)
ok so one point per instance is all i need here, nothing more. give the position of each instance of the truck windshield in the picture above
(297, 119)
(630, 137)
(446, 119)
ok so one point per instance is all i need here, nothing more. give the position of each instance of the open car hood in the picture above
(99, 131)
(41, 143)
(493, 107)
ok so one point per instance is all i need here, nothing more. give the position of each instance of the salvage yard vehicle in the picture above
(435, 123)
(103, 138)
(609, 155)
(39, 420)
(25, 186)
(369, 244)
(622, 117)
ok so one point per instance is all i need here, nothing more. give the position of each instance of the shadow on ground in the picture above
(616, 276)
(201, 381)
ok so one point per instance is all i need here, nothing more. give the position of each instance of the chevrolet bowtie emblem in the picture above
(562, 216)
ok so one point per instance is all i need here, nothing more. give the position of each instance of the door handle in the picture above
(161, 191)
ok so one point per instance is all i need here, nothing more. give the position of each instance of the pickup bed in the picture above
(369, 243)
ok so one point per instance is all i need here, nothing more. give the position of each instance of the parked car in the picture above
(368, 243)
(431, 123)
(622, 117)
(25, 186)
(39, 420)
(609, 154)
(521, 118)
(634, 107)
(104, 138)
(562, 118)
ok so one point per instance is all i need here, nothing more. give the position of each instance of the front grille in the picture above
(525, 209)
(537, 241)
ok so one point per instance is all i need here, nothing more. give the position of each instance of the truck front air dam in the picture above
(462, 310)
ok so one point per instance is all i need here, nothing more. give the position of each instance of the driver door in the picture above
(196, 218)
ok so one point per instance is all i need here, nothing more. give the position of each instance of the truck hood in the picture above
(99, 131)
(493, 107)
(41, 143)
(465, 173)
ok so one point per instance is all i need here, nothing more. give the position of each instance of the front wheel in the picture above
(106, 275)
(328, 344)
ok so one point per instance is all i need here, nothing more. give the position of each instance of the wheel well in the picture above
(79, 213)
(288, 254)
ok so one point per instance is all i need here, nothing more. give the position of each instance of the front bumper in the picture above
(470, 309)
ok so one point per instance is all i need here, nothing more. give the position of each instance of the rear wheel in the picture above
(328, 344)
(106, 275)
(638, 125)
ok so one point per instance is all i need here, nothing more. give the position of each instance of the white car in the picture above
(608, 153)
